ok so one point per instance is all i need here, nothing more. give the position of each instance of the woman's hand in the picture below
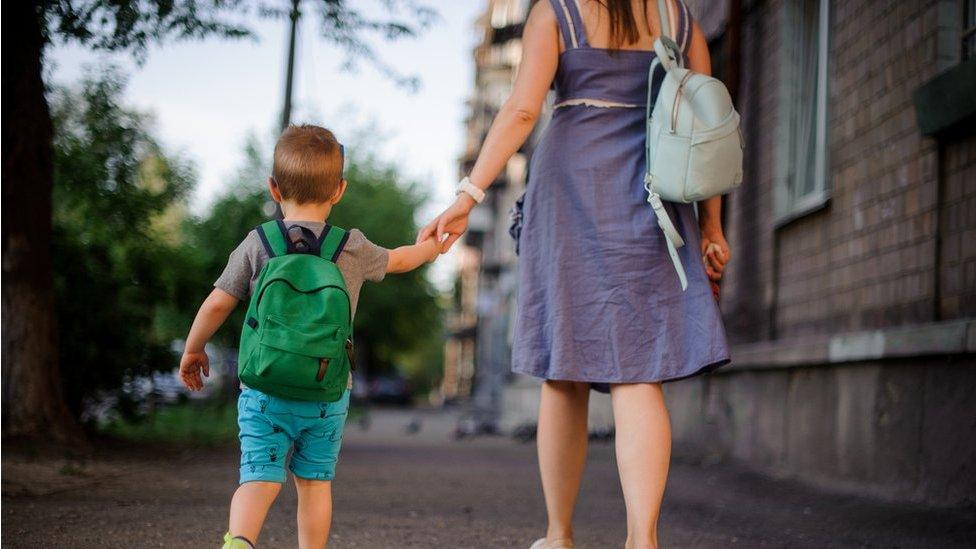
(715, 252)
(451, 222)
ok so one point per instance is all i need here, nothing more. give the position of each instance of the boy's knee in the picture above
(311, 484)
(260, 487)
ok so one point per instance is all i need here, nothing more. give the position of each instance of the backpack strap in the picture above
(669, 54)
(331, 242)
(272, 235)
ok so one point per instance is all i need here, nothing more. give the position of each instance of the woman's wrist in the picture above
(465, 201)
(709, 225)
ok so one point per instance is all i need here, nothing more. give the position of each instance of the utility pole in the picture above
(290, 74)
(289, 77)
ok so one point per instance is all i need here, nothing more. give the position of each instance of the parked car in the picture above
(391, 389)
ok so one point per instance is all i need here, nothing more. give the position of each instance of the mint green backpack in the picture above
(296, 342)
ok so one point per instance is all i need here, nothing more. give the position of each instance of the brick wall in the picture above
(872, 257)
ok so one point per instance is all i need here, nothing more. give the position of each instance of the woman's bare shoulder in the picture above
(540, 12)
(540, 23)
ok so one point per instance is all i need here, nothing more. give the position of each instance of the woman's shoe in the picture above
(555, 544)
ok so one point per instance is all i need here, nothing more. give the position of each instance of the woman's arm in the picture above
(715, 249)
(514, 122)
(517, 117)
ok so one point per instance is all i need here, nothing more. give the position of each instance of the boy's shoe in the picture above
(236, 542)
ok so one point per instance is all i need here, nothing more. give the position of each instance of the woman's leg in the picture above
(643, 443)
(562, 441)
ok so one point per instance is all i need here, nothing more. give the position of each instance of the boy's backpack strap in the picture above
(272, 235)
(331, 242)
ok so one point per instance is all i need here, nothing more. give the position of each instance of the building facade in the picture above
(851, 296)
(850, 300)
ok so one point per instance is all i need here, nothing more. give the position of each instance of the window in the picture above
(802, 184)
(968, 29)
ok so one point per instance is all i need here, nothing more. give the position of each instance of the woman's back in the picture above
(596, 69)
(596, 23)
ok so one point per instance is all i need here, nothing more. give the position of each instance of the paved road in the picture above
(423, 490)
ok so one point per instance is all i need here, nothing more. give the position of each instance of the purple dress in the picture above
(599, 300)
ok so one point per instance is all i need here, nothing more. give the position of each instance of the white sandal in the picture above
(541, 543)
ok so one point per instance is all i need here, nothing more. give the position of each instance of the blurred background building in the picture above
(851, 297)
(480, 326)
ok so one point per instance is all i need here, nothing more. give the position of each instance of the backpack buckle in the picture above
(301, 240)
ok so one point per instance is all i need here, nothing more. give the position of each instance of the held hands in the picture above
(452, 222)
(190, 367)
(432, 249)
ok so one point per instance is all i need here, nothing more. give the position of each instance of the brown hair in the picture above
(623, 24)
(307, 164)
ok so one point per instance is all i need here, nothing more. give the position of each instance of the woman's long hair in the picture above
(623, 24)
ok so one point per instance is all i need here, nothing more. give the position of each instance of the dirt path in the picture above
(399, 490)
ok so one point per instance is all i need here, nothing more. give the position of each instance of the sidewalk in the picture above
(424, 490)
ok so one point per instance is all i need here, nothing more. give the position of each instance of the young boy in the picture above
(306, 182)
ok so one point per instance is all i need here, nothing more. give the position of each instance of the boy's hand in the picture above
(190, 367)
(433, 249)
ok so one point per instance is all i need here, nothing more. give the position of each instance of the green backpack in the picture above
(296, 342)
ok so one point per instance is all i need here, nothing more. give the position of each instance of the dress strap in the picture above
(570, 23)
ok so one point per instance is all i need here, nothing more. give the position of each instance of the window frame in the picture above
(967, 34)
(787, 206)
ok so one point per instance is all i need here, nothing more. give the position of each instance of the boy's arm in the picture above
(214, 311)
(408, 258)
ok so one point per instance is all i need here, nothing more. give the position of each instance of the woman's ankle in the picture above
(631, 543)
(559, 533)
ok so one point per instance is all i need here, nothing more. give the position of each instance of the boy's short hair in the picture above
(307, 164)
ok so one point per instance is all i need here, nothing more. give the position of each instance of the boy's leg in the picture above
(264, 445)
(249, 508)
(314, 512)
(313, 463)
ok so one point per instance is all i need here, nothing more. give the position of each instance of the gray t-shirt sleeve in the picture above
(370, 259)
(241, 268)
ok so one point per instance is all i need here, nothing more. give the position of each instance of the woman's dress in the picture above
(599, 300)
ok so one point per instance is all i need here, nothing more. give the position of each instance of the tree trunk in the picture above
(33, 404)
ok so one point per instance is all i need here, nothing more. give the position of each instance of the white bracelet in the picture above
(466, 186)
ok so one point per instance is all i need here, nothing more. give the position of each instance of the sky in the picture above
(208, 96)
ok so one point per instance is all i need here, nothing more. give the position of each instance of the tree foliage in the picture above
(117, 258)
(114, 25)
(132, 266)
(32, 403)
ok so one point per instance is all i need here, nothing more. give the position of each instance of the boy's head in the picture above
(308, 165)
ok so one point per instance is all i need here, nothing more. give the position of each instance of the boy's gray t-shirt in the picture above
(359, 261)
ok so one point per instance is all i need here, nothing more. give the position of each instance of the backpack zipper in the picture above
(272, 281)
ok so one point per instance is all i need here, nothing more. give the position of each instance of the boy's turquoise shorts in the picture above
(271, 427)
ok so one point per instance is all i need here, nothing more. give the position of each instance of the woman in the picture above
(599, 303)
